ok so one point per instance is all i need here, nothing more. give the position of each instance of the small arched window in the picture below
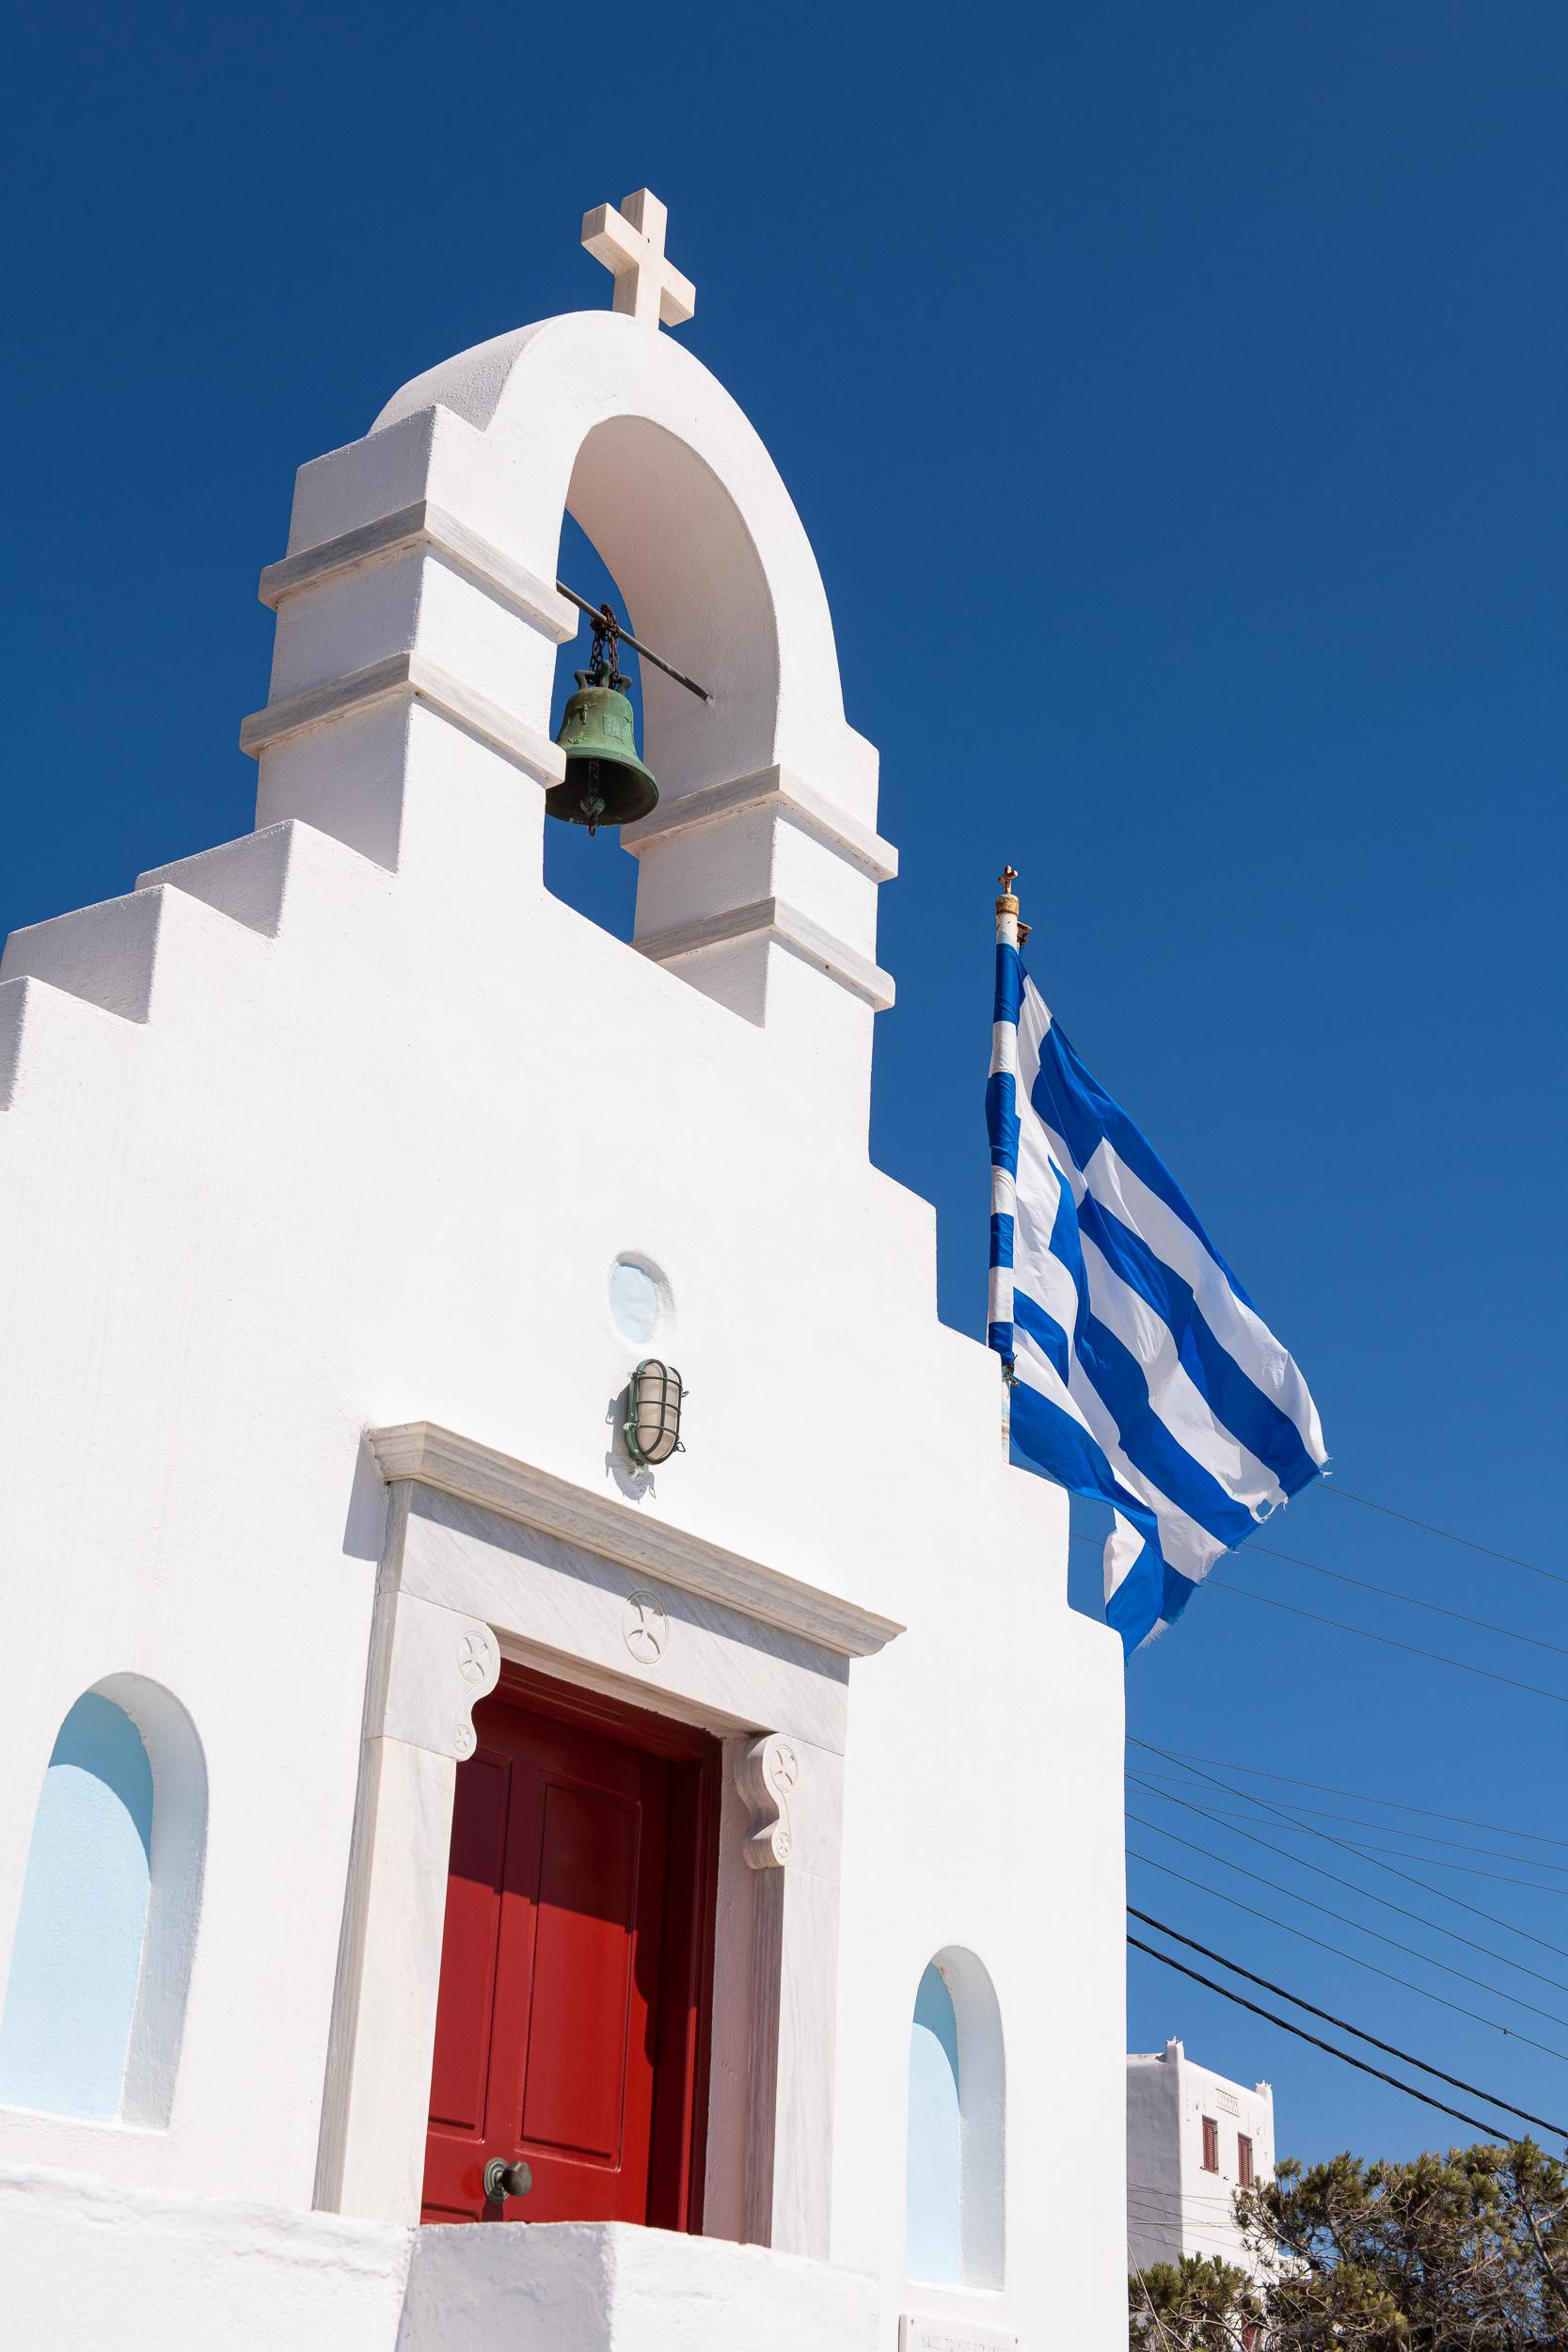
(95, 1998)
(955, 2121)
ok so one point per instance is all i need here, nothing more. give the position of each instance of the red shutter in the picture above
(1244, 2160)
(1210, 2144)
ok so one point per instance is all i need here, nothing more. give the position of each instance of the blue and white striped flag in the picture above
(1142, 1372)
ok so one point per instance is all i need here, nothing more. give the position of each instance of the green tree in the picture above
(1199, 2304)
(1462, 2252)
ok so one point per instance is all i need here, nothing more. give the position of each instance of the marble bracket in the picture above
(766, 1772)
(405, 677)
(772, 918)
(439, 1665)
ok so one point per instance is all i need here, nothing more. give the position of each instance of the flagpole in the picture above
(1003, 1060)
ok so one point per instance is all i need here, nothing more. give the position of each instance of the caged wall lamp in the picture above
(654, 1398)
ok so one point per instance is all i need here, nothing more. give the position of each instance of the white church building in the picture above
(470, 1876)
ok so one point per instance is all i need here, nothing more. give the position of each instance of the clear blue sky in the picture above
(1177, 397)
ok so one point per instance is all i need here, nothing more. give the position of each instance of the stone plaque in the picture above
(952, 2335)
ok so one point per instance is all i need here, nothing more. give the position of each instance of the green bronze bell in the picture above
(606, 782)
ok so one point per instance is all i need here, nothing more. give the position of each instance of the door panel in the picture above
(469, 1953)
(581, 2022)
(572, 1983)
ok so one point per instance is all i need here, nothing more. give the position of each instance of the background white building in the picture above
(1193, 2140)
(400, 1781)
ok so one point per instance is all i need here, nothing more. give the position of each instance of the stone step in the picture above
(40, 1024)
(118, 954)
(261, 879)
(196, 923)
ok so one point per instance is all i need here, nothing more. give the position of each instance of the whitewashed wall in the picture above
(343, 1125)
(1174, 2205)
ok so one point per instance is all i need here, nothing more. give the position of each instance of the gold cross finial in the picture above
(1007, 904)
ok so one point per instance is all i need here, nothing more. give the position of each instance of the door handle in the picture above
(503, 2180)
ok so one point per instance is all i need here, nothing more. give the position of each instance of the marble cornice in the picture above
(773, 918)
(776, 789)
(423, 524)
(425, 1455)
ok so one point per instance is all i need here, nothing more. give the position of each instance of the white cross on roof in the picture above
(630, 242)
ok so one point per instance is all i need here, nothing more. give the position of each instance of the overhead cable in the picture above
(1390, 2049)
(1437, 1658)
(1493, 2131)
(1362, 1796)
(1432, 1860)
(1368, 1894)
(1184, 1878)
(1412, 1951)
(1411, 1600)
(1411, 1649)
(1362, 1583)
(1511, 1558)
(1493, 1918)
(1397, 1829)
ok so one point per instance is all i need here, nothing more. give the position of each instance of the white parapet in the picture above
(608, 2287)
(86, 2261)
(89, 2261)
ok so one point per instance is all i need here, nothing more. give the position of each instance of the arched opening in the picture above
(591, 873)
(651, 528)
(671, 533)
(626, 433)
(95, 1997)
(653, 459)
(956, 2115)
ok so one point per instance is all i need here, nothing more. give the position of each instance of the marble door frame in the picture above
(487, 1557)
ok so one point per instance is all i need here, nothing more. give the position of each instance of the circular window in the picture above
(638, 1298)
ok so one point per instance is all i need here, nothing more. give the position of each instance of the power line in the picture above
(1397, 1829)
(1510, 2033)
(1301, 1863)
(1492, 2130)
(1412, 1649)
(1360, 1796)
(1437, 1658)
(1411, 1600)
(1390, 2048)
(1511, 1558)
(1413, 1951)
(1146, 2220)
(1432, 1861)
(1493, 1918)
(1144, 2213)
(1149, 2190)
(1469, 1869)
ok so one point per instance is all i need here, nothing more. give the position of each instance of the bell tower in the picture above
(418, 622)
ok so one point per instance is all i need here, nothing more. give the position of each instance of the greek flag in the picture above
(1142, 1374)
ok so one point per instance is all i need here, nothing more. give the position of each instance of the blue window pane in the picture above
(77, 1957)
(933, 2161)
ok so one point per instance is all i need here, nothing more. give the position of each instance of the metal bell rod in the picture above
(596, 612)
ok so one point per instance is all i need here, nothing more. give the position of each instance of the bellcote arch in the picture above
(419, 587)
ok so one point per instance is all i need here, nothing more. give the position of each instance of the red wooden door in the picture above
(570, 2026)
